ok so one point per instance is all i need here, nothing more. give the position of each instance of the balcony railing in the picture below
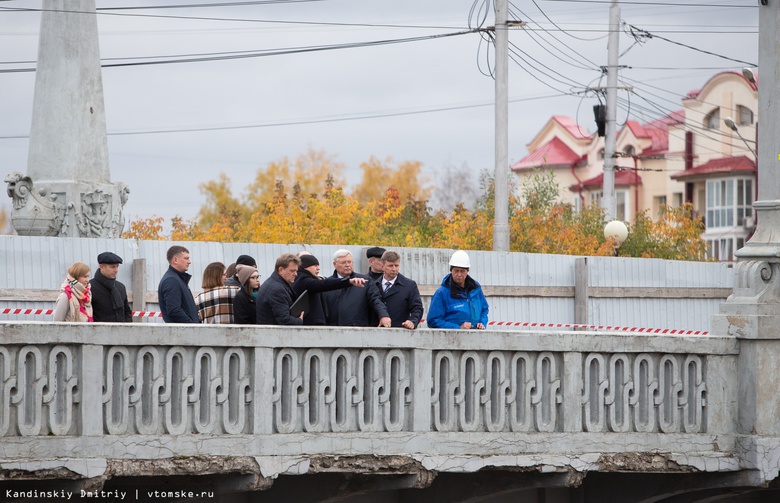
(160, 391)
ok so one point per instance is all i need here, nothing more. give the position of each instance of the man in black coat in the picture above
(109, 296)
(374, 256)
(353, 307)
(309, 281)
(399, 293)
(275, 296)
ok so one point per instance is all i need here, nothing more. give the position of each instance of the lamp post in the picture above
(618, 231)
(733, 126)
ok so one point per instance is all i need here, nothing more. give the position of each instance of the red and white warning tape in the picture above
(140, 314)
(611, 328)
(526, 324)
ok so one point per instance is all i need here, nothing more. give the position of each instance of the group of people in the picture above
(294, 293)
(101, 298)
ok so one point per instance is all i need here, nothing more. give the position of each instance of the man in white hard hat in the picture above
(459, 302)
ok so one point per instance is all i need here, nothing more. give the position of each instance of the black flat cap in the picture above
(246, 260)
(375, 252)
(109, 258)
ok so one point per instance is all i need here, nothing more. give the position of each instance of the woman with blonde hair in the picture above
(75, 300)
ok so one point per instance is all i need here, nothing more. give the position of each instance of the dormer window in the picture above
(629, 151)
(712, 121)
(745, 116)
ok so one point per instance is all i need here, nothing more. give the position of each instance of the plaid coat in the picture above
(216, 304)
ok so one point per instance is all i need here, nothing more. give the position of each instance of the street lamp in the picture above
(733, 126)
(618, 231)
(749, 75)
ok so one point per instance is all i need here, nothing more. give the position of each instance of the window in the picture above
(601, 154)
(629, 151)
(621, 203)
(729, 202)
(677, 199)
(745, 116)
(712, 121)
(722, 249)
(660, 205)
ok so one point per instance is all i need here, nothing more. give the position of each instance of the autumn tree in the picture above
(309, 171)
(455, 185)
(6, 226)
(405, 177)
(303, 213)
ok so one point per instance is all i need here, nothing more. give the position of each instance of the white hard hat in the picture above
(460, 259)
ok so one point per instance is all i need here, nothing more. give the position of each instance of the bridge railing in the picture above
(157, 391)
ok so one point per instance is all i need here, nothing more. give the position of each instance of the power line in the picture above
(651, 35)
(205, 57)
(664, 4)
(225, 19)
(380, 115)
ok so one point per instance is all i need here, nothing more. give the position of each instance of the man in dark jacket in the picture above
(275, 295)
(353, 307)
(109, 296)
(374, 256)
(399, 293)
(309, 281)
(176, 300)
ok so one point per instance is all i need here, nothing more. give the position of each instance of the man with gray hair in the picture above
(353, 307)
(275, 296)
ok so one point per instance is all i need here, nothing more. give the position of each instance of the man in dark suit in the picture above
(354, 307)
(275, 296)
(399, 293)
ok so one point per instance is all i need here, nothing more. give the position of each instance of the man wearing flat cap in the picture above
(374, 256)
(109, 296)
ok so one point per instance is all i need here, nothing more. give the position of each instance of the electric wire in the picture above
(322, 120)
(210, 57)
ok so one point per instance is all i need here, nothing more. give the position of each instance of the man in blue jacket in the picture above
(176, 301)
(459, 301)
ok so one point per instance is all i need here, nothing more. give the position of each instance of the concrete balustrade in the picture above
(453, 400)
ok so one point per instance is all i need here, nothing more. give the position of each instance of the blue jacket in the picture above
(176, 301)
(451, 307)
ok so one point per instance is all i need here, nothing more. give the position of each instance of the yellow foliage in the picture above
(294, 211)
(405, 177)
(145, 228)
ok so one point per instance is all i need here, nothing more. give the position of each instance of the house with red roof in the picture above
(690, 155)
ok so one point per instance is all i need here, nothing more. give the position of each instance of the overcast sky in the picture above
(425, 100)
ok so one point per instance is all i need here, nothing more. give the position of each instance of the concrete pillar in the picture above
(67, 190)
(752, 312)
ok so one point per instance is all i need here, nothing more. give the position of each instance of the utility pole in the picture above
(501, 214)
(608, 198)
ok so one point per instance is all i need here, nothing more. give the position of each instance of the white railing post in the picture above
(91, 390)
(263, 387)
(422, 386)
(572, 392)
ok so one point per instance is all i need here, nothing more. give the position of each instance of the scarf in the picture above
(117, 302)
(79, 300)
